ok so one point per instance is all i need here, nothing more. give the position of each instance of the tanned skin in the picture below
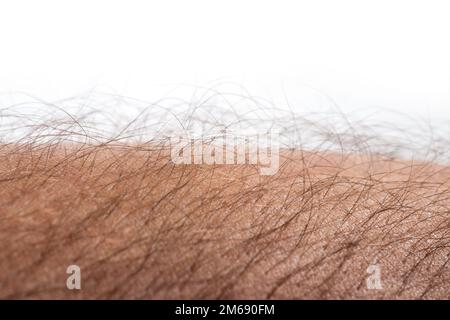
(140, 226)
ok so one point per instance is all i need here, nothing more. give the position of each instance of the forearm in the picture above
(140, 226)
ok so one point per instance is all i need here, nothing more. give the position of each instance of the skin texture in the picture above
(140, 226)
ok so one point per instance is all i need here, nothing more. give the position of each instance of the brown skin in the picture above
(141, 227)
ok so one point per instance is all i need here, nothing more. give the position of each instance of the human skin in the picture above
(139, 226)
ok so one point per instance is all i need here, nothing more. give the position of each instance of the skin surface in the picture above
(140, 226)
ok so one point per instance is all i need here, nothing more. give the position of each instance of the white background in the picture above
(388, 54)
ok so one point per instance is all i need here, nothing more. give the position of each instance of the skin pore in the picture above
(140, 226)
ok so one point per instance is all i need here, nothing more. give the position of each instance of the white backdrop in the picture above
(389, 54)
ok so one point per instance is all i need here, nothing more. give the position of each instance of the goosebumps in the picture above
(93, 205)
(325, 225)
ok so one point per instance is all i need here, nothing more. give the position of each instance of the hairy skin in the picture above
(141, 227)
